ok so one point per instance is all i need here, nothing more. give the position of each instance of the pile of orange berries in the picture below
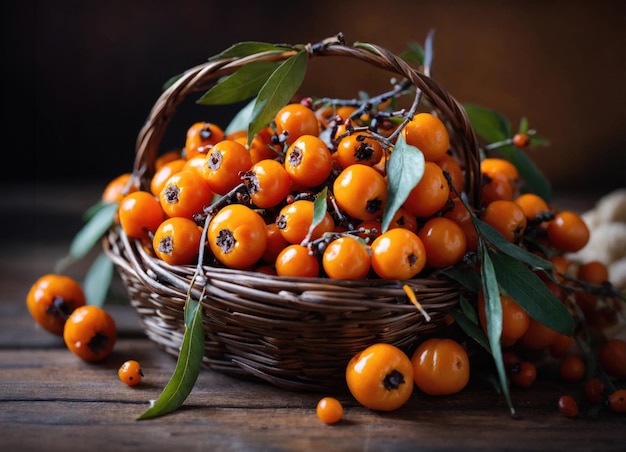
(57, 303)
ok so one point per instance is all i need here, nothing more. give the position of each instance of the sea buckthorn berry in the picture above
(161, 175)
(237, 236)
(515, 320)
(225, 164)
(117, 188)
(440, 366)
(593, 272)
(185, 194)
(297, 120)
(201, 137)
(177, 241)
(561, 345)
(403, 219)
(275, 243)
(496, 188)
(429, 134)
(568, 232)
(532, 205)
(346, 258)
(572, 368)
(51, 300)
(524, 374)
(537, 336)
(195, 164)
(451, 166)
(444, 241)
(568, 406)
(167, 157)
(268, 183)
(140, 214)
(612, 357)
(493, 165)
(308, 161)
(380, 377)
(329, 410)
(594, 390)
(361, 192)
(294, 221)
(461, 216)
(398, 254)
(617, 401)
(90, 333)
(358, 148)
(510, 359)
(521, 140)
(561, 266)
(431, 193)
(130, 373)
(507, 218)
(297, 260)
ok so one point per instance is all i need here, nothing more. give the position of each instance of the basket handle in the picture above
(203, 76)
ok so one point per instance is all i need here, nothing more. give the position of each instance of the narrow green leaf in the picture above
(241, 120)
(464, 276)
(531, 293)
(493, 314)
(494, 237)
(534, 179)
(92, 231)
(428, 49)
(187, 368)
(414, 53)
(523, 125)
(488, 124)
(239, 86)
(170, 81)
(468, 310)
(367, 46)
(470, 328)
(98, 279)
(536, 140)
(405, 169)
(242, 49)
(320, 207)
(277, 91)
(94, 209)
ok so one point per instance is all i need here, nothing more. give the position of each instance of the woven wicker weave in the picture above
(296, 333)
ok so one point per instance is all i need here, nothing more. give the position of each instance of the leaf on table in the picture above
(187, 368)
(93, 231)
(98, 279)
(240, 85)
(531, 293)
(405, 169)
(277, 91)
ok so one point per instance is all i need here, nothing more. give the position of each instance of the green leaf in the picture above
(187, 368)
(493, 315)
(494, 237)
(239, 86)
(428, 49)
(319, 211)
(414, 53)
(405, 169)
(467, 277)
(241, 120)
(92, 232)
(277, 91)
(98, 279)
(534, 179)
(242, 49)
(523, 125)
(170, 81)
(536, 140)
(470, 328)
(488, 124)
(531, 293)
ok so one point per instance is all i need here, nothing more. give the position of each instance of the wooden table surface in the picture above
(51, 400)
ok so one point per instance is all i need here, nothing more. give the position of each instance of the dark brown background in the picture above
(82, 75)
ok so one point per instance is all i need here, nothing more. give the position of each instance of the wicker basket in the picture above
(296, 333)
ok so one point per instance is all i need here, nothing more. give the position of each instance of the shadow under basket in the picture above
(295, 333)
